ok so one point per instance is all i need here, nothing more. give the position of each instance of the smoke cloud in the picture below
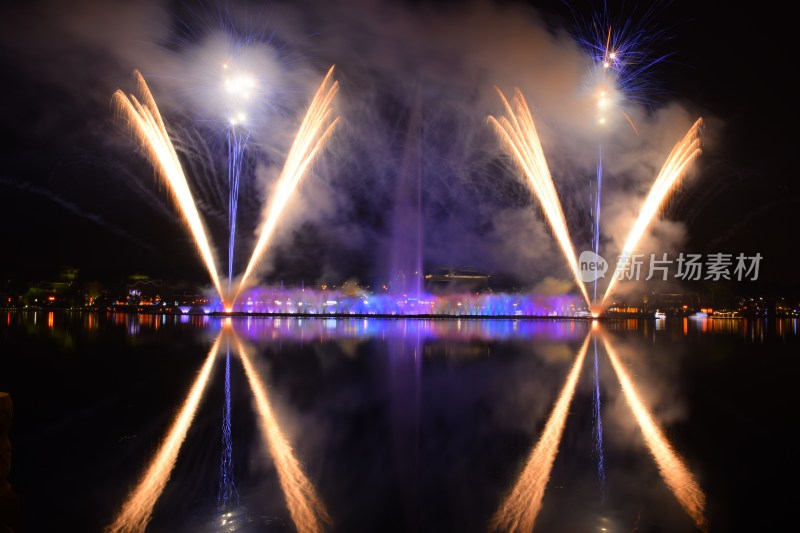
(390, 57)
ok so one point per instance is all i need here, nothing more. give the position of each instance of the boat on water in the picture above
(725, 314)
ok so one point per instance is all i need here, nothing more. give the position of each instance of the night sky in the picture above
(75, 191)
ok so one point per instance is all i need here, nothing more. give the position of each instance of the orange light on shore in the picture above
(138, 508)
(519, 509)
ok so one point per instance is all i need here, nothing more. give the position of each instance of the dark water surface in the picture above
(401, 425)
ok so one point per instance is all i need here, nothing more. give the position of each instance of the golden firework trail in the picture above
(138, 507)
(670, 465)
(315, 129)
(519, 509)
(305, 507)
(519, 137)
(147, 125)
(678, 161)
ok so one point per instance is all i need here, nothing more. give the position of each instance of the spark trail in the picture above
(519, 137)
(597, 199)
(138, 507)
(683, 153)
(240, 91)
(622, 53)
(147, 125)
(598, 431)
(602, 103)
(305, 507)
(236, 145)
(519, 509)
(670, 465)
(624, 50)
(227, 485)
(316, 128)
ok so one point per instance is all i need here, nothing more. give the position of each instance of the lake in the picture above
(198, 423)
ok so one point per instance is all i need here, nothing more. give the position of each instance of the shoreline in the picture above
(381, 316)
